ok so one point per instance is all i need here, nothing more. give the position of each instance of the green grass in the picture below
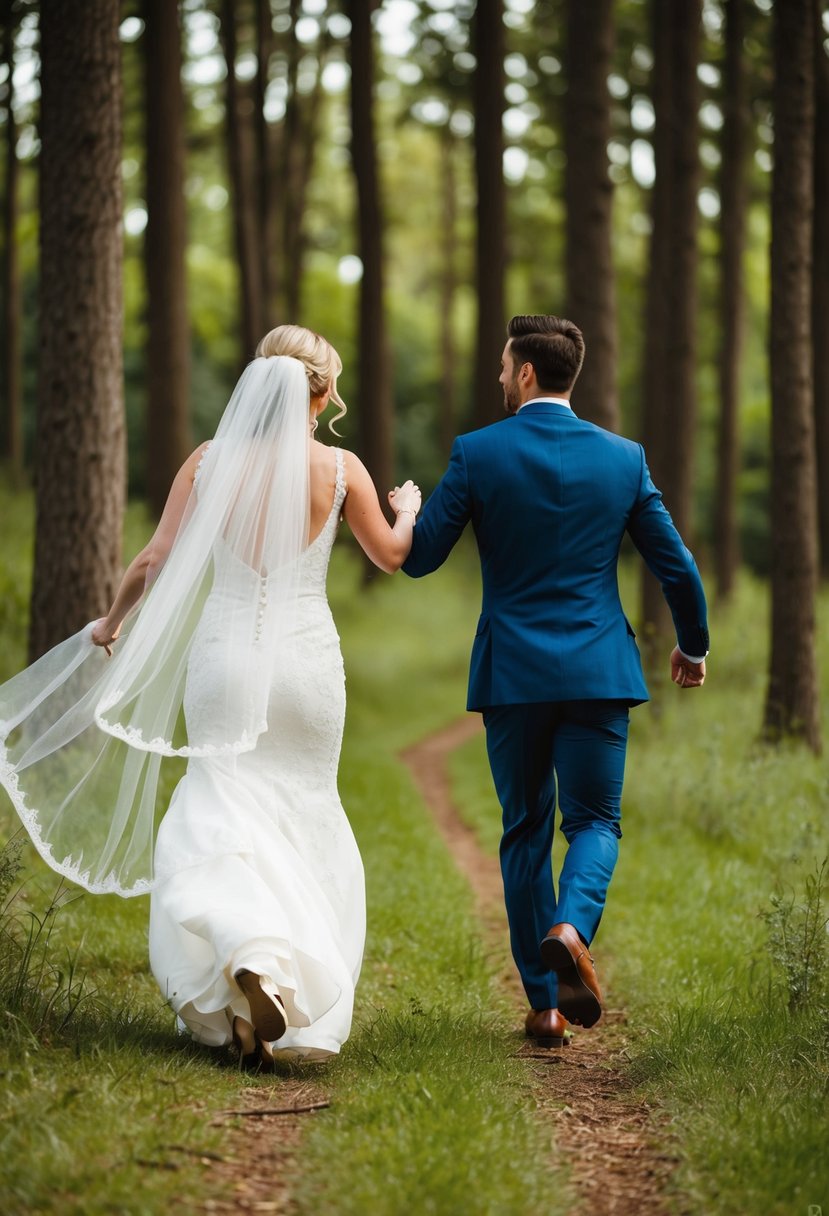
(106, 1109)
(704, 932)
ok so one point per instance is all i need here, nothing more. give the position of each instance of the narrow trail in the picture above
(259, 1163)
(598, 1126)
(601, 1128)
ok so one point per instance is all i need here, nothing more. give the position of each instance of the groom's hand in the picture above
(685, 673)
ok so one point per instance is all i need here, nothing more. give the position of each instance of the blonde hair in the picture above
(322, 363)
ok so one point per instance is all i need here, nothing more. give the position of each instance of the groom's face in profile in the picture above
(509, 381)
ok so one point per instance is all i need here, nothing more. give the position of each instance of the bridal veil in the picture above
(90, 747)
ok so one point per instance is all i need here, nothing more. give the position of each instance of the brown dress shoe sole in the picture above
(575, 1000)
(540, 1041)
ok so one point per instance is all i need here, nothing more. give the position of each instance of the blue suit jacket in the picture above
(550, 498)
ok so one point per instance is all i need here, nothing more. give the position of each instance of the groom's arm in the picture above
(657, 539)
(442, 520)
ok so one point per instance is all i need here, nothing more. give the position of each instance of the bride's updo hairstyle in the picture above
(322, 363)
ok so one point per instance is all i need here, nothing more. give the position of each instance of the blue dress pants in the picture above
(577, 749)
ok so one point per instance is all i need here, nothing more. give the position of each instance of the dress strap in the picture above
(341, 487)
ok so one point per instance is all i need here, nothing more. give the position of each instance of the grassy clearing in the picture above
(715, 904)
(106, 1109)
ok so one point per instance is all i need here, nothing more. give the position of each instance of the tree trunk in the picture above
(292, 152)
(374, 383)
(300, 143)
(268, 266)
(670, 339)
(12, 308)
(820, 288)
(447, 409)
(792, 705)
(80, 439)
(245, 227)
(168, 345)
(733, 198)
(491, 258)
(588, 194)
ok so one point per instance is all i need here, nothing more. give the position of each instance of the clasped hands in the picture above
(405, 498)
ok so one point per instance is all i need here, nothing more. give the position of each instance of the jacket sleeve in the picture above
(442, 520)
(655, 536)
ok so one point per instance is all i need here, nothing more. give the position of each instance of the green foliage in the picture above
(37, 993)
(422, 89)
(797, 941)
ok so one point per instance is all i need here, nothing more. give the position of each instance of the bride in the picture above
(232, 662)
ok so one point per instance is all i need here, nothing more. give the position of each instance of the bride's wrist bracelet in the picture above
(408, 511)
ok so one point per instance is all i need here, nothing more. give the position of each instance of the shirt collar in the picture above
(553, 400)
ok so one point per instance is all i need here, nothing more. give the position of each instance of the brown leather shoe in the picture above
(547, 1027)
(579, 994)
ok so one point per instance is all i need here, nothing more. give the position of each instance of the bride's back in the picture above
(323, 481)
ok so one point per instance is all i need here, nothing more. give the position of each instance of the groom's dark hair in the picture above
(554, 346)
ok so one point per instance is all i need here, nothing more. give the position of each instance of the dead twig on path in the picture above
(262, 1112)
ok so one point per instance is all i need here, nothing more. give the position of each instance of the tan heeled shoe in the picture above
(267, 1011)
(255, 1055)
(244, 1040)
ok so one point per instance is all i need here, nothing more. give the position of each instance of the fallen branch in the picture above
(262, 1112)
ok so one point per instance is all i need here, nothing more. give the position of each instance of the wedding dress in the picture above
(231, 663)
(282, 894)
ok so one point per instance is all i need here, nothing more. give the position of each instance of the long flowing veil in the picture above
(91, 747)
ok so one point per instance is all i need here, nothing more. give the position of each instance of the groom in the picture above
(554, 665)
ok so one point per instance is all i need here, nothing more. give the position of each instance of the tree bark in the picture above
(300, 134)
(588, 194)
(292, 152)
(792, 705)
(245, 227)
(80, 464)
(168, 345)
(733, 203)
(820, 287)
(268, 265)
(670, 340)
(491, 258)
(12, 307)
(447, 409)
(374, 382)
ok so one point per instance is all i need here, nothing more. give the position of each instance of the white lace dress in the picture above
(282, 892)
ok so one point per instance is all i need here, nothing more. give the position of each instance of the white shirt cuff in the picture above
(692, 658)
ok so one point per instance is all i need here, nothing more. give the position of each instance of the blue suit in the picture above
(554, 663)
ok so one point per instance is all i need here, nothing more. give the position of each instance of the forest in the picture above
(402, 176)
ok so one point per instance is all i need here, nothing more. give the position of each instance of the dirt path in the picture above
(257, 1167)
(602, 1129)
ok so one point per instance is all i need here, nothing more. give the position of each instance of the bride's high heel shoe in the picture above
(244, 1040)
(267, 1012)
(254, 1054)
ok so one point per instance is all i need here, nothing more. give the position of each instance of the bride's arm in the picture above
(152, 557)
(387, 547)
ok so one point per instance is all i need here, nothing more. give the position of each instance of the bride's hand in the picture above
(103, 636)
(405, 498)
